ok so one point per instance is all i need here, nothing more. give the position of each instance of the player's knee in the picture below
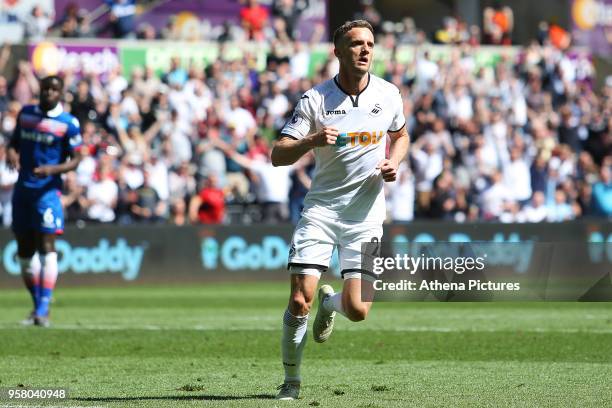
(356, 311)
(47, 244)
(299, 305)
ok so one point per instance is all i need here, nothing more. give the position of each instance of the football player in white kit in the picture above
(345, 121)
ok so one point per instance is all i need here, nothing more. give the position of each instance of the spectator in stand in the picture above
(82, 105)
(498, 24)
(429, 153)
(469, 122)
(443, 199)
(208, 206)
(177, 133)
(177, 74)
(148, 207)
(289, 11)
(74, 201)
(367, 11)
(568, 129)
(451, 32)
(68, 24)
(539, 173)
(301, 179)
(475, 38)
(9, 119)
(37, 24)
(559, 209)
(87, 167)
(276, 103)
(425, 114)
(182, 185)
(84, 28)
(426, 72)
(157, 167)
(408, 32)
(4, 96)
(602, 190)
(115, 85)
(254, 19)
(240, 119)
(70, 27)
(537, 211)
(230, 32)
(558, 36)
(122, 18)
(25, 87)
(146, 32)
(8, 178)
(102, 195)
(272, 184)
(516, 176)
(401, 195)
(494, 198)
(178, 213)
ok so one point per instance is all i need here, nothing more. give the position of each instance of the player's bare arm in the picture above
(400, 142)
(288, 150)
(51, 170)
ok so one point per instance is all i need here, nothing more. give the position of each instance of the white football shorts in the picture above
(314, 241)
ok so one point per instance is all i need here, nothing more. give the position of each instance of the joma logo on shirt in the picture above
(336, 112)
(359, 138)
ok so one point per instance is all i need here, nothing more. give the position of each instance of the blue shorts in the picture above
(35, 210)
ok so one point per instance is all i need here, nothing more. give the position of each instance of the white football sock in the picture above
(333, 303)
(292, 344)
(30, 271)
(49, 270)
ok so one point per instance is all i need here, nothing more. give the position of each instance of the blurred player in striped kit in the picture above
(44, 145)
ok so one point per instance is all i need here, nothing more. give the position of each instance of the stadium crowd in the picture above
(527, 139)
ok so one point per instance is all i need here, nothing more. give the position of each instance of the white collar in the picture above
(55, 112)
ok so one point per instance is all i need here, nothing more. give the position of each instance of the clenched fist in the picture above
(324, 137)
(388, 169)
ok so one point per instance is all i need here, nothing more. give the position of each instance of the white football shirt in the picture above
(346, 184)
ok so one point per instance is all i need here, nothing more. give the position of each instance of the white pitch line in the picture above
(394, 329)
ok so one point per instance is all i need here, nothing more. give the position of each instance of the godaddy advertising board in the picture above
(149, 254)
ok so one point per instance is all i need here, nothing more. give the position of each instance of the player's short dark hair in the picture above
(348, 26)
(53, 78)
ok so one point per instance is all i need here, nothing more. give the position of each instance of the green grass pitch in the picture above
(217, 345)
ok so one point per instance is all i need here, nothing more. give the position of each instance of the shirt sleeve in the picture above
(302, 122)
(73, 139)
(399, 121)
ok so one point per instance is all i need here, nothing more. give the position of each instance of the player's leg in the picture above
(304, 282)
(48, 276)
(30, 268)
(354, 301)
(356, 296)
(24, 230)
(51, 223)
(295, 321)
(310, 253)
